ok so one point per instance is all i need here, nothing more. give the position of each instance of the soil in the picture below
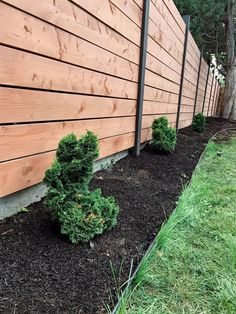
(41, 272)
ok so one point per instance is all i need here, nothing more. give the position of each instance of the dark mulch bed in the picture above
(41, 272)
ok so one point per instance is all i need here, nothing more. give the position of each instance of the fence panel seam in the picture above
(186, 19)
(198, 81)
(204, 100)
(141, 81)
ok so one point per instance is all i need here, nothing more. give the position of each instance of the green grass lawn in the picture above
(192, 266)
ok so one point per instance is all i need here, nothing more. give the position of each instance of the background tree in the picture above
(213, 27)
(229, 105)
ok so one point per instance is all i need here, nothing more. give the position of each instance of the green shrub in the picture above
(81, 214)
(199, 123)
(163, 137)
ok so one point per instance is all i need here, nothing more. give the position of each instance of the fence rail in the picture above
(72, 65)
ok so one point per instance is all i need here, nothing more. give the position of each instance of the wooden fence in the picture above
(72, 65)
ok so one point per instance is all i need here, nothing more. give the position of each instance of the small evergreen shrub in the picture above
(163, 137)
(81, 214)
(199, 123)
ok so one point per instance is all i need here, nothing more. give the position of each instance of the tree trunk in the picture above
(229, 106)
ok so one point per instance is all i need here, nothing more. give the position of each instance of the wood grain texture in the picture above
(187, 101)
(139, 3)
(44, 137)
(72, 65)
(167, 14)
(159, 53)
(75, 20)
(30, 170)
(15, 139)
(194, 46)
(161, 16)
(154, 80)
(18, 68)
(153, 94)
(19, 174)
(160, 31)
(32, 34)
(107, 12)
(151, 107)
(174, 12)
(185, 123)
(131, 9)
(158, 67)
(20, 105)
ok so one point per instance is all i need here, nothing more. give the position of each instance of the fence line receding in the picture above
(68, 66)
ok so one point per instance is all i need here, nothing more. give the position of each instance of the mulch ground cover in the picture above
(41, 272)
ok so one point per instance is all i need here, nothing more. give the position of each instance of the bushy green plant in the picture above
(163, 137)
(81, 214)
(199, 123)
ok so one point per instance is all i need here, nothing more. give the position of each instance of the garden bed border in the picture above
(130, 281)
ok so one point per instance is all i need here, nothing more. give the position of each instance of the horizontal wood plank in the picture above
(185, 123)
(139, 3)
(131, 9)
(75, 20)
(158, 67)
(18, 174)
(153, 94)
(15, 139)
(21, 173)
(151, 107)
(69, 66)
(30, 33)
(22, 105)
(18, 68)
(159, 53)
(107, 12)
(162, 18)
(174, 12)
(166, 13)
(44, 137)
(160, 82)
(165, 37)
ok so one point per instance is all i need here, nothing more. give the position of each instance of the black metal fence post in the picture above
(198, 81)
(214, 98)
(141, 79)
(204, 99)
(209, 103)
(217, 97)
(186, 19)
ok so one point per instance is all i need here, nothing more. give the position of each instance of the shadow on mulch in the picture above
(41, 272)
